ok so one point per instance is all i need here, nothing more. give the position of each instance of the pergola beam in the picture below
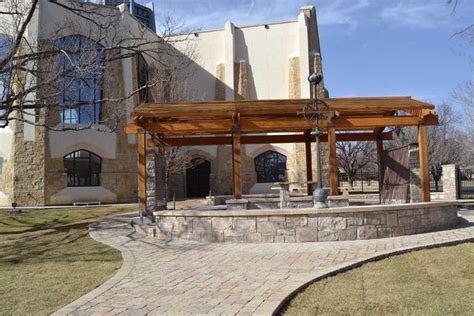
(277, 125)
(265, 139)
(268, 107)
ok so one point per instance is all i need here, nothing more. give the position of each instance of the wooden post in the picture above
(379, 143)
(424, 167)
(333, 180)
(141, 148)
(309, 163)
(236, 162)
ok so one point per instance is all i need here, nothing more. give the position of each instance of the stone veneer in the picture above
(306, 225)
(450, 182)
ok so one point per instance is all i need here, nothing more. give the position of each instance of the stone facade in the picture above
(34, 173)
(306, 225)
(118, 175)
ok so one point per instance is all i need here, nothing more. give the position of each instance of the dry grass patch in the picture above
(47, 258)
(428, 282)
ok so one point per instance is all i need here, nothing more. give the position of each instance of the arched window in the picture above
(81, 64)
(270, 167)
(82, 168)
(6, 42)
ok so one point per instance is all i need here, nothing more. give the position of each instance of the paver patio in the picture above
(181, 277)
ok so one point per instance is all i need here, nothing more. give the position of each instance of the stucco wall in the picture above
(267, 61)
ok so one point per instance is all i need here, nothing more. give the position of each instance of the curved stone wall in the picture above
(306, 225)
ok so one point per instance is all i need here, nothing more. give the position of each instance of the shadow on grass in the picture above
(35, 237)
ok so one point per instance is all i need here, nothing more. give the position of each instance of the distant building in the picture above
(145, 13)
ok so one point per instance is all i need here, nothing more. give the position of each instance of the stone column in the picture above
(156, 182)
(414, 166)
(450, 182)
(160, 182)
(150, 180)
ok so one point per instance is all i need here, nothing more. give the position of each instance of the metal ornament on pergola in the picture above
(277, 121)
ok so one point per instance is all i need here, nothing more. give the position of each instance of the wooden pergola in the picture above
(257, 121)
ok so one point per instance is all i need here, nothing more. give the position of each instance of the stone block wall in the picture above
(118, 175)
(28, 166)
(414, 166)
(450, 182)
(257, 226)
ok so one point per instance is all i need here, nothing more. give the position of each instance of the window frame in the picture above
(68, 81)
(270, 172)
(73, 175)
(5, 78)
(143, 74)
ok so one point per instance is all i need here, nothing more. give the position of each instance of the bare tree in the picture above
(463, 94)
(173, 88)
(43, 77)
(354, 157)
(454, 4)
(445, 141)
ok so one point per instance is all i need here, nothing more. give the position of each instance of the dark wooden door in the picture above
(395, 176)
(197, 179)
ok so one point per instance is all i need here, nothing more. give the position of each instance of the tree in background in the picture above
(446, 141)
(463, 94)
(355, 157)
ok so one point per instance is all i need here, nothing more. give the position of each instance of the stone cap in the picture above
(236, 201)
(306, 211)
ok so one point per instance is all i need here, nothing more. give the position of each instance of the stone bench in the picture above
(86, 203)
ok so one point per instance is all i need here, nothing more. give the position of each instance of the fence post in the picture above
(450, 182)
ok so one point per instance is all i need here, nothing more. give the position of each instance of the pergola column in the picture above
(236, 162)
(333, 181)
(141, 148)
(309, 163)
(379, 143)
(424, 166)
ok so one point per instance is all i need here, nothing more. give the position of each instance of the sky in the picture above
(369, 47)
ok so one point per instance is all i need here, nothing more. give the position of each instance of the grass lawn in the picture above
(48, 260)
(428, 282)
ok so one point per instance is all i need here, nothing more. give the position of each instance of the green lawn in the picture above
(428, 282)
(48, 260)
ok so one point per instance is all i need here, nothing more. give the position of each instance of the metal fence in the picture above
(466, 183)
(433, 187)
(363, 182)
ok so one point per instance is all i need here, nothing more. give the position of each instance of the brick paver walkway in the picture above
(180, 277)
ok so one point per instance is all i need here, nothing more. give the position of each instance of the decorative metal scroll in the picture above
(315, 112)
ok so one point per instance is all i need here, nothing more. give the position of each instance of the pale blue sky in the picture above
(369, 47)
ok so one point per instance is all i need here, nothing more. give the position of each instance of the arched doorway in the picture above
(197, 178)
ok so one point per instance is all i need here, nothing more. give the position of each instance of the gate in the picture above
(363, 182)
(466, 183)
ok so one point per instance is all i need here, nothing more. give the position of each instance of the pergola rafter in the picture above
(251, 121)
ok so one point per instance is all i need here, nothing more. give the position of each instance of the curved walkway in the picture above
(181, 277)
